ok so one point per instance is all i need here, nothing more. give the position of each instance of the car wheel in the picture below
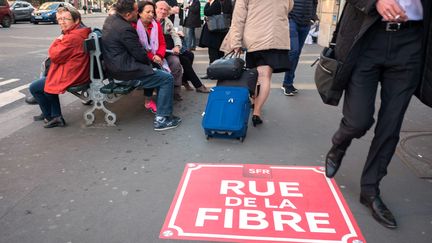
(7, 21)
(14, 19)
(35, 22)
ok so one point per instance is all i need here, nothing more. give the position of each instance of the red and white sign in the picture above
(259, 203)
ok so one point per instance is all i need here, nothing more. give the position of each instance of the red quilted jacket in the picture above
(69, 63)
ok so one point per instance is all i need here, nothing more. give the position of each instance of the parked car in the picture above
(21, 10)
(47, 12)
(6, 17)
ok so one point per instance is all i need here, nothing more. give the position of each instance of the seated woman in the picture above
(174, 56)
(151, 37)
(70, 66)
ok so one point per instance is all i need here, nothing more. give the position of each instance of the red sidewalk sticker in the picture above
(259, 203)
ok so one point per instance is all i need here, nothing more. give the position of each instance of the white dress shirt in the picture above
(413, 8)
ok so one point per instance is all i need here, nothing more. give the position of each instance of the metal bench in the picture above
(100, 89)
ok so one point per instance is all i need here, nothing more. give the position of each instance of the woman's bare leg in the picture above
(264, 80)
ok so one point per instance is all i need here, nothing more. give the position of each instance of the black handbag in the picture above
(219, 23)
(326, 71)
(45, 67)
(228, 67)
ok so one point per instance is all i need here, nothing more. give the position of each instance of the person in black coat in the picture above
(213, 40)
(366, 26)
(192, 20)
(126, 61)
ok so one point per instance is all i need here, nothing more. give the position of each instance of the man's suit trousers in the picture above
(391, 59)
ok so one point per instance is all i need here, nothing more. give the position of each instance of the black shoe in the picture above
(333, 161)
(41, 117)
(55, 122)
(30, 100)
(88, 102)
(256, 120)
(168, 122)
(380, 212)
(177, 97)
(289, 90)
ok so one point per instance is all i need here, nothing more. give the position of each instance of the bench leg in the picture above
(110, 117)
(99, 100)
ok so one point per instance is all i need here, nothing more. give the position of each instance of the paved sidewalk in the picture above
(115, 184)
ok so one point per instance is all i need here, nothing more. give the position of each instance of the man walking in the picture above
(126, 61)
(301, 17)
(379, 42)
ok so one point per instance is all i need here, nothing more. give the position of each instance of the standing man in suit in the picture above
(192, 20)
(301, 17)
(403, 27)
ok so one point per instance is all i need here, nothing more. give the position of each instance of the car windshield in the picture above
(48, 6)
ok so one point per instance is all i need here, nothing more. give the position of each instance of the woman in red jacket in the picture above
(151, 37)
(69, 66)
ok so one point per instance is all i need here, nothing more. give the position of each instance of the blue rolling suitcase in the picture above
(227, 113)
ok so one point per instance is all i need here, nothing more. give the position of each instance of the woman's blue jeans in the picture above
(48, 103)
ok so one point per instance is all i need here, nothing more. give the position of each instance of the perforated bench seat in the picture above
(78, 88)
(113, 88)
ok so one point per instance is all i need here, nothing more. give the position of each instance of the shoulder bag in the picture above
(326, 71)
(219, 23)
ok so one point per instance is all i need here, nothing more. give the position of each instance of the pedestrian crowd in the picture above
(142, 48)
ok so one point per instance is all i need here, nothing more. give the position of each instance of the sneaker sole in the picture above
(166, 128)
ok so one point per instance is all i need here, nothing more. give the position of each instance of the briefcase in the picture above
(247, 80)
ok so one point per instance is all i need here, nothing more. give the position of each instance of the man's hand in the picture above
(390, 10)
(176, 50)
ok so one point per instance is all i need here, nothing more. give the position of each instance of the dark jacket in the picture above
(304, 11)
(124, 56)
(193, 20)
(214, 39)
(424, 91)
(357, 19)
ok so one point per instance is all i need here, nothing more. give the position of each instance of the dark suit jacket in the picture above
(193, 20)
(124, 56)
(358, 17)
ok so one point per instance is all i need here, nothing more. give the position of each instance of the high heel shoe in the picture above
(256, 120)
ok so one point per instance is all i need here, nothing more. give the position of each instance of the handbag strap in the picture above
(336, 31)
(231, 54)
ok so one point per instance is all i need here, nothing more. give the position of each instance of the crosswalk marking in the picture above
(12, 95)
(8, 81)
